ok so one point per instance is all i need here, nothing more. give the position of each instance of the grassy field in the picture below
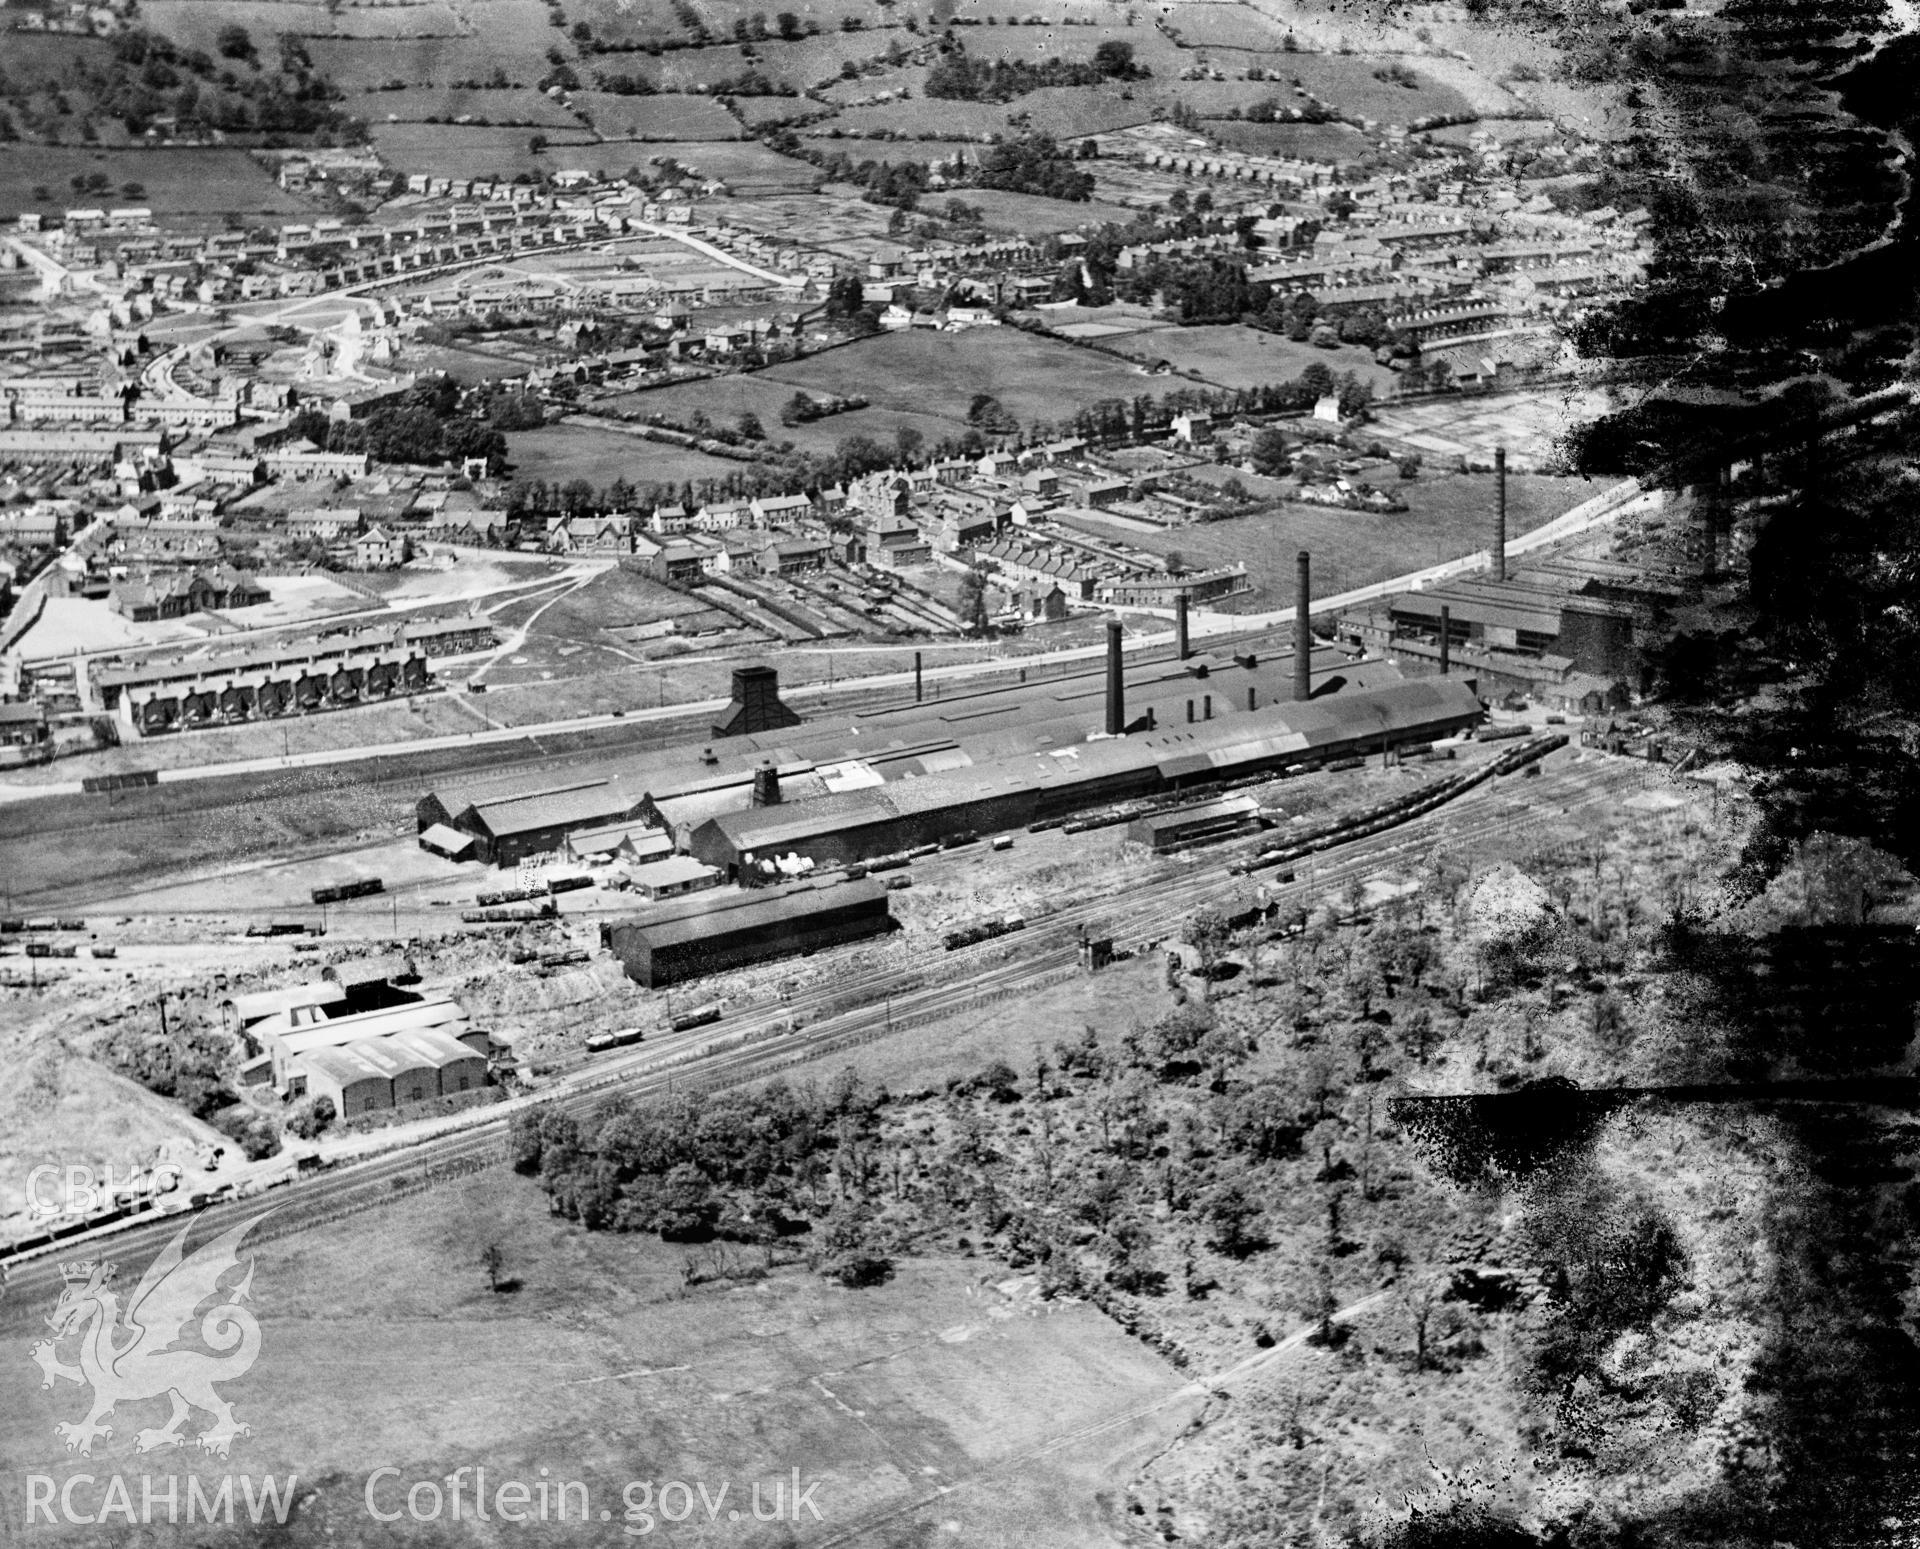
(602, 1366)
(466, 150)
(1232, 356)
(417, 104)
(724, 399)
(1306, 142)
(196, 182)
(806, 62)
(563, 452)
(938, 373)
(668, 117)
(1450, 515)
(1030, 214)
(516, 40)
(1061, 111)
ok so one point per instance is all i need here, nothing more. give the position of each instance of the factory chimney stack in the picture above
(1500, 513)
(1180, 626)
(1116, 682)
(1303, 630)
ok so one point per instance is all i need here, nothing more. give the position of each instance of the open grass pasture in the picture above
(563, 452)
(670, 117)
(724, 399)
(1229, 355)
(508, 105)
(799, 64)
(938, 373)
(177, 184)
(602, 1368)
(1032, 215)
(1304, 142)
(1061, 111)
(515, 39)
(472, 150)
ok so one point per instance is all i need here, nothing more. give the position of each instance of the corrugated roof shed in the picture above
(694, 922)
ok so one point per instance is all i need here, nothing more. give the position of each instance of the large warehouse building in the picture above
(699, 936)
(878, 816)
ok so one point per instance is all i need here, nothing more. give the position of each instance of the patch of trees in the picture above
(756, 1167)
(804, 408)
(958, 76)
(187, 1060)
(428, 426)
(1034, 164)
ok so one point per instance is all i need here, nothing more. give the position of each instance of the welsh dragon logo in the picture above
(142, 1351)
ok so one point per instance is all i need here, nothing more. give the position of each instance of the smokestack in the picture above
(766, 786)
(1206, 707)
(1180, 626)
(919, 688)
(1303, 630)
(1500, 513)
(1189, 712)
(1116, 682)
(1446, 639)
(1253, 699)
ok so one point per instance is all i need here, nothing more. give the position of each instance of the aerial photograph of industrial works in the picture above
(907, 773)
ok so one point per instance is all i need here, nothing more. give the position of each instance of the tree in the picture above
(536, 144)
(493, 1259)
(1207, 932)
(788, 24)
(1115, 58)
(749, 426)
(234, 42)
(908, 443)
(847, 1248)
(1234, 1218)
(973, 602)
(1270, 455)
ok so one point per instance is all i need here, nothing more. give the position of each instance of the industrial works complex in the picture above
(769, 799)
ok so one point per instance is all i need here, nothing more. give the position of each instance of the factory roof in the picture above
(683, 924)
(539, 810)
(390, 1056)
(333, 1032)
(671, 871)
(431, 1044)
(343, 1064)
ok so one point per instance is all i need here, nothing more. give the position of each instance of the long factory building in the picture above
(885, 781)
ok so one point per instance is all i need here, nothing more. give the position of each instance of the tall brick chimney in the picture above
(1500, 513)
(1303, 629)
(1116, 682)
(1180, 626)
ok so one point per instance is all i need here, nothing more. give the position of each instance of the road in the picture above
(856, 1009)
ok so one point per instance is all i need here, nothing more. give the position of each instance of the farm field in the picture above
(724, 399)
(466, 150)
(1450, 515)
(1030, 213)
(560, 453)
(417, 104)
(744, 165)
(801, 64)
(198, 22)
(516, 41)
(1306, 142)
(1061, 111)
(672, 117)
(1229, 355)
(177, 184)
(938, 373)
(601, 1366)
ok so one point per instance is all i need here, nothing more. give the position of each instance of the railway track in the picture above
(766, 1040)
